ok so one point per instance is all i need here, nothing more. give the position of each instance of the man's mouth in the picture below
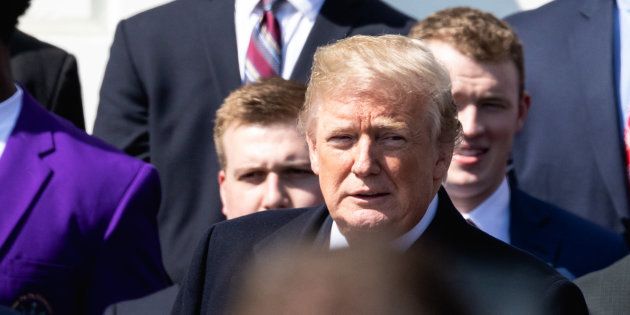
(469, 154)
(368, 195)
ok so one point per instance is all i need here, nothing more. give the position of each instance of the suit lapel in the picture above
(528, 230)
(215, 20)
(311, 228)
(334, 22)
(592, 47)
(23, 173)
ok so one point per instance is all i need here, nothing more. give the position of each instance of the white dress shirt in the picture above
(493, 214)
(339, 241)
(296, 19)
(9, 112)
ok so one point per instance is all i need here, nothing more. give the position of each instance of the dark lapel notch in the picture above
(23, 172)
(215, 20)
(592, 49)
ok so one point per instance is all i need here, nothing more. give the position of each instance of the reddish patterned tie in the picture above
(264, 54)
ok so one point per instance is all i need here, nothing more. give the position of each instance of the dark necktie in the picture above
(264, 54)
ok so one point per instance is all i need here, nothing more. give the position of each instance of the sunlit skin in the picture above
(267, 167)
(378, 168)
(491, 112)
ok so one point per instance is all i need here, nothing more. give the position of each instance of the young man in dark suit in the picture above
(485, 60)
(381, 126)
(171, 67)
(571, 152)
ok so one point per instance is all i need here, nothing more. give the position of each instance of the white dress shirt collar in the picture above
(404, 242)
(493, 214)
(9, 112)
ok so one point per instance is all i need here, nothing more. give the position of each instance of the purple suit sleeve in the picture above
(130, 263)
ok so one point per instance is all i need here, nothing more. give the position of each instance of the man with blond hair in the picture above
(485, 60)
(263, 157)
(381, 126)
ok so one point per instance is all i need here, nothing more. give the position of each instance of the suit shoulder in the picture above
(87, 154)
(22, 43)
(377, 17)
(550, 12)
(259, 223)
(573, 227)
(173, 12)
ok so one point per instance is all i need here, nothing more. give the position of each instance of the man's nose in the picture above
(365, 161)
(275, 194)
(470, 119)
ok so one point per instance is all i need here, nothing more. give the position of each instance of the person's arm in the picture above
(122, 117)
(129, 262)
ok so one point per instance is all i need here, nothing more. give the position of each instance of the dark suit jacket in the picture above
(560, 238)
(77, 218)
(571, 151)
(48, 73)
(608, 291)
(496, 277)
(169, 70)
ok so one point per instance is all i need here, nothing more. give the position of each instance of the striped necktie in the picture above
(264, 54)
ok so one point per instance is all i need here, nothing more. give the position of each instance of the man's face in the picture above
(378, 167)
(267, 167)
(491, 112)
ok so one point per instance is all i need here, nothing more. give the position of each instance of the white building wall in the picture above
(86, 29)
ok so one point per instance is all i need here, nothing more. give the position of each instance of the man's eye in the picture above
(492, 105)
(393, 139)
(340, 140)
(255, 176)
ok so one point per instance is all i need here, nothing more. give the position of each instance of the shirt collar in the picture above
(10, 103)
(404, 242)
(309, 8)
(492, 215)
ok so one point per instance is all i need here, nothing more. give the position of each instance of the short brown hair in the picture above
(267, 102)
(389, 68)
(474, 33)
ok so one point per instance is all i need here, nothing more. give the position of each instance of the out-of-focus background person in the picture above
(370, 280)
(485, 61)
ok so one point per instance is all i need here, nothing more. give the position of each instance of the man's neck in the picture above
(465, 201)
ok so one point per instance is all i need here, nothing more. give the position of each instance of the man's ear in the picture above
(443, 162)
(222, 192)
(312, 154)
(524, 103)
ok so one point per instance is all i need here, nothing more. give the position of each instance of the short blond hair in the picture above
(389, 69)
(474, 33)
(267, 102)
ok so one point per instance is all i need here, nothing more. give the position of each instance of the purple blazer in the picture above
(78, 226)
